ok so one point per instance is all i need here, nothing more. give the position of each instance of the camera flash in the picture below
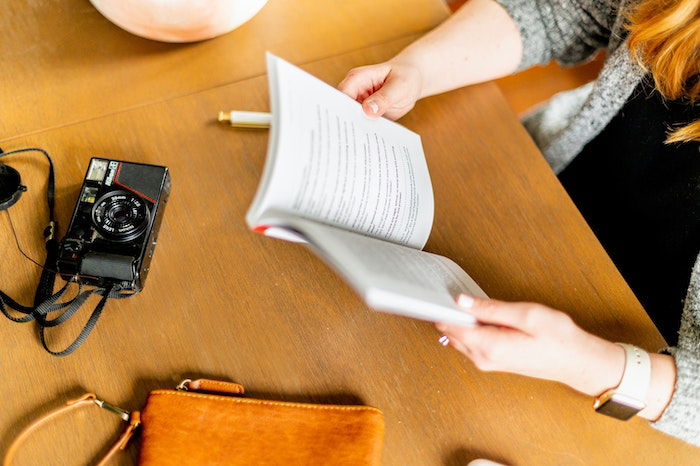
(97, 170)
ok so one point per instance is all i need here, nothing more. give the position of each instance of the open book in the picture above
(357, 192)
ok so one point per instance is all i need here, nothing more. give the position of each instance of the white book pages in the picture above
(328, 162)
(389, 277)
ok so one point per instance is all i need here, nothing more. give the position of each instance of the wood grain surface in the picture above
(223, 302)
(64, 62)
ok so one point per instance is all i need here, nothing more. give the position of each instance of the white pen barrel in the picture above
(243, 119)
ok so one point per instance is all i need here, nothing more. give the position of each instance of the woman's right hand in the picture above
(387, 89)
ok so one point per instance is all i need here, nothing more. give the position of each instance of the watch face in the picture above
(619, 406)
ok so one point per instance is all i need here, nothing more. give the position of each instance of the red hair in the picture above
(665, 41)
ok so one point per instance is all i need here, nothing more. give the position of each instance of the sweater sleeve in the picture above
(569, 31)
(682, 416)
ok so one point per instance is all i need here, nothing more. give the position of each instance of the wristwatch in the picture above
(629, 397)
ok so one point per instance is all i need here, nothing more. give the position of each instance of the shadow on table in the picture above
(89, 37)
(462, 456)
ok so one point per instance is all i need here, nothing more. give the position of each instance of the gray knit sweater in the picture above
(571, 32)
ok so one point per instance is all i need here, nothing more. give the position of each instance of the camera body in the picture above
(115, 224)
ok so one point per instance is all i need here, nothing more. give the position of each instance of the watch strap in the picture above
(637, 375)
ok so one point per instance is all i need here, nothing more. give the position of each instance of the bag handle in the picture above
(88, 399)
(133, 418)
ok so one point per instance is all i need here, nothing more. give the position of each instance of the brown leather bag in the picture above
(206, 422)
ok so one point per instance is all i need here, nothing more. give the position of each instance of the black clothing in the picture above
(641, 198)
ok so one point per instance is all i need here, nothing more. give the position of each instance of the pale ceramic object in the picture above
(178, 20)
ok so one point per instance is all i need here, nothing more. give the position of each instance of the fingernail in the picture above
(465, 301)
(441, 327)
(373, 106)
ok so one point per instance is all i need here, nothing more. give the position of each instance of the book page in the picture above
(329, 162)
(389, 277)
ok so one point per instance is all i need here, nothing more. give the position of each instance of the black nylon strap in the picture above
(48, 274)
(45, 300)
(109, 292)
(50, 305)
(69, 308)
(6, 301)
(89, 325)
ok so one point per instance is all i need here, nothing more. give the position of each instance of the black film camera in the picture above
(113, 231)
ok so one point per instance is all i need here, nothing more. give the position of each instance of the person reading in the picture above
(626, 149)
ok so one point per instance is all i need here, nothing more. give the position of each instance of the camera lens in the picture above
(120, 215)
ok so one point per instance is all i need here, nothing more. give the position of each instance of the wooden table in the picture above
(64, 62)
(222, 302)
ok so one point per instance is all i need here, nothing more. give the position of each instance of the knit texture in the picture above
(682, 416)
(571, 32)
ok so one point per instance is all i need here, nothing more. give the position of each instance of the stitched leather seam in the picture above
(267, 402)
(229, 386)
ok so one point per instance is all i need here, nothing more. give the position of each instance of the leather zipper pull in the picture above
(211, 386)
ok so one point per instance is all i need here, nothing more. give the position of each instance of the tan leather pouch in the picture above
(198, 428)
(207, 422)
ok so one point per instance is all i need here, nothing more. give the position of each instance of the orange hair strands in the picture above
(665, 41)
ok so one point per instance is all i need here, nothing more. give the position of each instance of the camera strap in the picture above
(39, 313)
(45, 300)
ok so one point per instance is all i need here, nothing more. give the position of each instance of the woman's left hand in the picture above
(537, 341)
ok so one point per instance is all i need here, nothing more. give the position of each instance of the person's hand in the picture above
(534, 340)
(387, 89)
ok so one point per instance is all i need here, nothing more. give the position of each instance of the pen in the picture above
(241, 119)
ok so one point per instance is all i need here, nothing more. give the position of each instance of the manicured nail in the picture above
(465, 301)
(444, 340)
(373, 106)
